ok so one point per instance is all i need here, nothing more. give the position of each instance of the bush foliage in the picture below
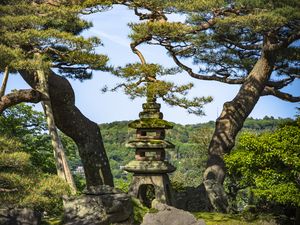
(269, 163)
(24, 186)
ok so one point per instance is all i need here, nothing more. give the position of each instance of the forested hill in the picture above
(191, 142)
(117, 132)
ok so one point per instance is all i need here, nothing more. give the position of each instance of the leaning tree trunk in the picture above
(63, 169)
(228, 125)
(4, 82)
(74, 124)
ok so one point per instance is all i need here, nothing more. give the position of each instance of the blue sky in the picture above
(111, 27)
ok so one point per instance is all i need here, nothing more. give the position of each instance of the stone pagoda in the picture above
(150, 167)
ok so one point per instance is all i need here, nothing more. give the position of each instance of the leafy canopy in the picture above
(224, 38)
(142, 80)
(28, 28)
(28, 127)
(23, 185)
(269, 163)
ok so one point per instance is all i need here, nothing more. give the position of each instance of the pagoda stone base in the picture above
(160, 183)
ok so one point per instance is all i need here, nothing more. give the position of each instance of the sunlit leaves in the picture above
(144, 80)
(269, 163)
(27, 28)
(262, 20)
(224, 39)
(23, 185)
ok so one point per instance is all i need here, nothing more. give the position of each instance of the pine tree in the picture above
(24, 186)
(51, 30)
(247, 43)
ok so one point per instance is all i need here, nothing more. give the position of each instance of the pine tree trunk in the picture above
(61, 162)
(228, 125)
(74, 124)
(4, 82)
(63, 169)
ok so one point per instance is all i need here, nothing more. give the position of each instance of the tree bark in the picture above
(228, 125)
(74, 124)
(18, 97)
(4, 82)
(63, 169)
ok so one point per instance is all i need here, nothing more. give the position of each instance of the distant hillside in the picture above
(191, 143)
(118, 132)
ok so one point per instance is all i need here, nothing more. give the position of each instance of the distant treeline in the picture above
(118, 132)
(191, 142)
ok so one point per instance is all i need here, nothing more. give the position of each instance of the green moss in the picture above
(230, 219)
(139, 210)
(149, 144)
(153, 210)
(150, 123)
(52, 221)
(155, 141)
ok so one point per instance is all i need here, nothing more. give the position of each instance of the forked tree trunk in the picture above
(228, 125)
(63, 169)
(74, 124)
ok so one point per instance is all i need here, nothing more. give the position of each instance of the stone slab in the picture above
(149, 167)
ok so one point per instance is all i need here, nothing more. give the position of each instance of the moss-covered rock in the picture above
(149, 167)
(149, 144)
(151, 123)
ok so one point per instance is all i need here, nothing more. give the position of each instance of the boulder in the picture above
(101, 190)
(167, 215)
(118, 207)
(84, 210)
(192, 199)
(216, 195)
(20, 217)
(101, 205)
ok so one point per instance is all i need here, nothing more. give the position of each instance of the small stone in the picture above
(169, 215)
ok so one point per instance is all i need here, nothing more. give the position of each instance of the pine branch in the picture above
(133, 46)
(280, 84)
(19, 96)
(153, 16)
(5, 190)
(241, 46)
(286, 42)
(281, 95)
(223, 79)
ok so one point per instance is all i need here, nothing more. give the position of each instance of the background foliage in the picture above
(269, 163)
(25, 144)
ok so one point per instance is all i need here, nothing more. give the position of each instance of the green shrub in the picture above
(269, 163)
(24, 186)
(139, 210)
(122, 185)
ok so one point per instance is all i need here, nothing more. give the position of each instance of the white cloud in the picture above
(113, 38)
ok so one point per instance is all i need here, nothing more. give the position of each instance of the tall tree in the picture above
(63, 169)
(51, 28)
(248, 43)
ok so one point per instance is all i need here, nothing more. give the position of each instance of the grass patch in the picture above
(52, 221)
(230, 219)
